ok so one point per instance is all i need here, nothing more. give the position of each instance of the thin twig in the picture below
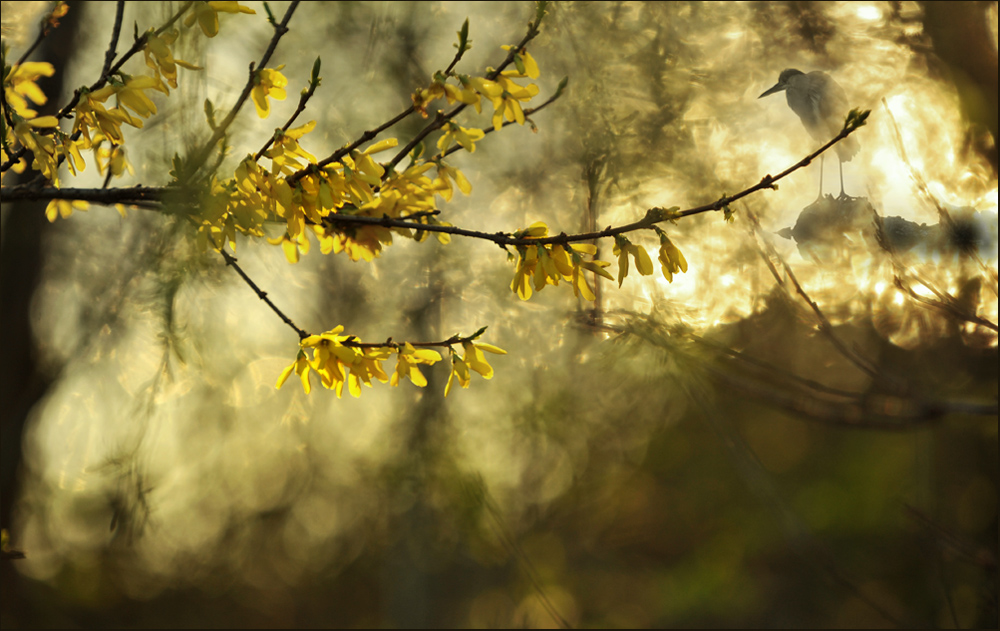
(200, 156)
(303, 99)
(946, 304)
(351, 342)
(43, 32)
(371, 134)
(957, 544)
(441, 118)
(231, 261)
(109, 54)
(489, 130)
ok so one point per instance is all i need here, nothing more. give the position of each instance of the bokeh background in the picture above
(695, 453)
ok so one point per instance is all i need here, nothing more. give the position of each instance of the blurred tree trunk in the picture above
(22, 383)
(962, 40)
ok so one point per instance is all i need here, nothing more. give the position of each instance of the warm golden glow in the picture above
(163, 410)
(869, 12)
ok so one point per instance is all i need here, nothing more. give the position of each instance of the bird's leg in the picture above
(841, 163)
(821, 159)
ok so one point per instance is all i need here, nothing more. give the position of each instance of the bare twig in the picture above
(231, 261)
(303, 99)
(109, 54)
(945, 303)
(441, 118)
(489, 130)
(351, 342)
(825, 326)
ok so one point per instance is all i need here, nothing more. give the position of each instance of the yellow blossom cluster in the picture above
(624, 248)
(504, 93)
(343, 359)
(548, 264)
(671, 259)
(355, 185)
(307, 198)
(97, 125)
(472, 359)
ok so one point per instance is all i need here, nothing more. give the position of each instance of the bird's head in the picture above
(783, 80)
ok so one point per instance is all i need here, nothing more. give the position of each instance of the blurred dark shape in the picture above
(901, 235)
(969, 231)
(822, 227)
(966, 231)
(821, 105)
(967, 55)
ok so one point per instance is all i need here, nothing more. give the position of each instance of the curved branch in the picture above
(653, 215)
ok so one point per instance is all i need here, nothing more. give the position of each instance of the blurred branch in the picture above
(503, 533)
(946, 303)
(49, 22)
(943, 215)
(863, 363)
(956, 544)
(804, 543)
(777, 387)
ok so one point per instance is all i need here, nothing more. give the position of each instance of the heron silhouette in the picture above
(821, 105)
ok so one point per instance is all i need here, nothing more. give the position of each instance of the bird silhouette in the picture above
(821, 105)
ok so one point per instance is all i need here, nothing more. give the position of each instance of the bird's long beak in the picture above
(777, 87)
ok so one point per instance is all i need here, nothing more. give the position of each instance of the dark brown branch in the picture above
(653, 216)
(130, 195)
(231, 261)
(109, 54)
